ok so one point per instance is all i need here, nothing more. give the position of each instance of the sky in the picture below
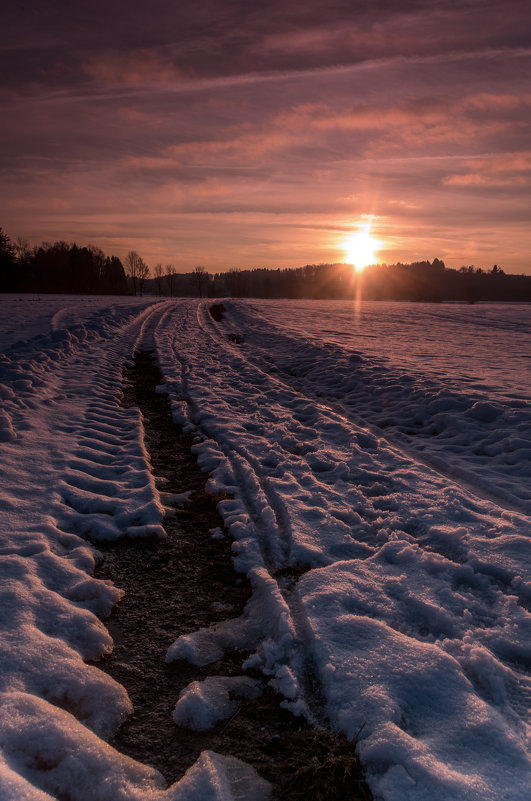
(229, 133)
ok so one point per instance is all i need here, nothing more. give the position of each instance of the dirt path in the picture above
(176, 586)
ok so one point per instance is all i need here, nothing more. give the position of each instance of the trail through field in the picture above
(415, 581)
(292, 533)
(176, 586)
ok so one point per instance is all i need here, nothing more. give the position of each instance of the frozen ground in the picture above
(383, 449)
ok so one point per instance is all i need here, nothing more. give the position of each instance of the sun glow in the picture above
(360, 249)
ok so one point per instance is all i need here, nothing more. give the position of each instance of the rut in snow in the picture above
(178, 585)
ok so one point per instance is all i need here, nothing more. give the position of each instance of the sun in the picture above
(360, 249)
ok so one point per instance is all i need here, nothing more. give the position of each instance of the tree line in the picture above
(422, 281)
(59, 267)
(62, 267)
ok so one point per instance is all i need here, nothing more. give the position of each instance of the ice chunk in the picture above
(202, 704)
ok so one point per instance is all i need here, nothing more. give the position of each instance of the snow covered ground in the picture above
(384, 449)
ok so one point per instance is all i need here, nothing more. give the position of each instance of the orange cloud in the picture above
(494, 103)
(507, 170)
(393, 128)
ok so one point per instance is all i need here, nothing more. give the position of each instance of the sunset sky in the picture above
(231, 133)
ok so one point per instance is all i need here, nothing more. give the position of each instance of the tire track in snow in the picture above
(429, 513)
(145, 339)
(397, 441)
(107, 489)
(283, 532)
(436, 465)
(271, 521)
(275, 529)
(455, 474)
(491, 573)
(273, 525)
(269, 517)
(184, 578)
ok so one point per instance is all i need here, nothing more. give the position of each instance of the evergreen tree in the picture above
(8, 274)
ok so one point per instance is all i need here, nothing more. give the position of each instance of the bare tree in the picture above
(158, 272)
(170, 272)
(22, 250)
(200, 280)
(137, 270)
(98, 259)
(144, 273)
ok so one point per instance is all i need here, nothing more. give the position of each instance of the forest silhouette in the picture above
(67, 268)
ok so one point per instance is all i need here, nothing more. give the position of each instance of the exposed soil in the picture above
(175, 586)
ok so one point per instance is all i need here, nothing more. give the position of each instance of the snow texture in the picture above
(379, 452)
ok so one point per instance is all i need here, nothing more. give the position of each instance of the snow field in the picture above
(73, 469)
(412, 616)
(465, 414)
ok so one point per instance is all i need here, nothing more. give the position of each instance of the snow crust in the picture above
(381, 455)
